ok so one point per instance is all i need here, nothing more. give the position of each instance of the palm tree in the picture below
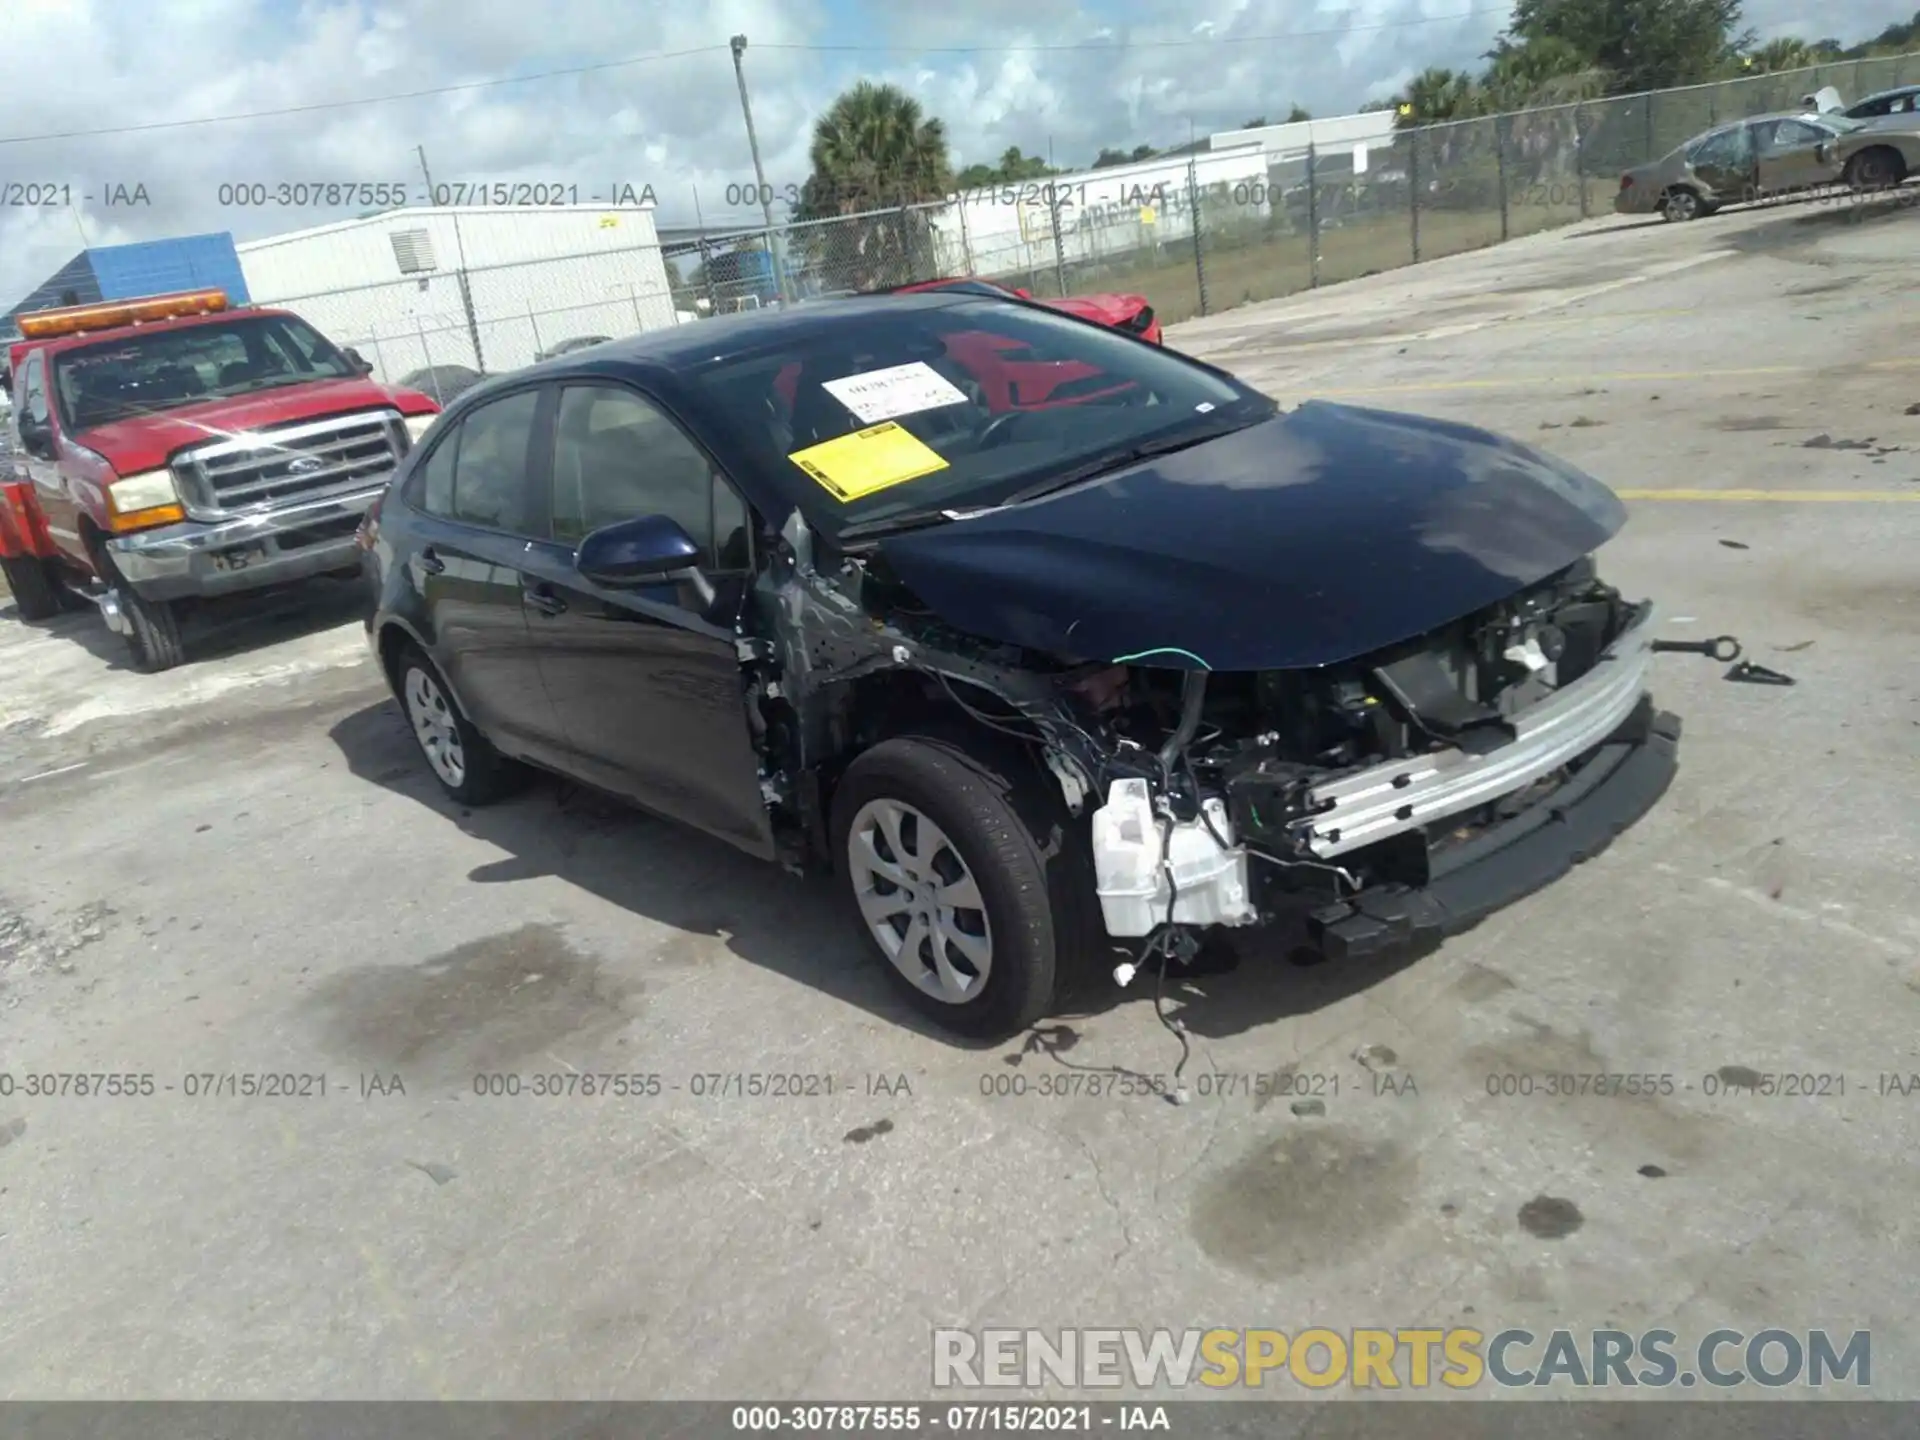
(1539, 73)
(1786, 53)
(1437, 95)
(874, 149)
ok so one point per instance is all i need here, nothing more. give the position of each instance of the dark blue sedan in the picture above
(1056, 647)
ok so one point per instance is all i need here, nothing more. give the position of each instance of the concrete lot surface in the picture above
(243, 867)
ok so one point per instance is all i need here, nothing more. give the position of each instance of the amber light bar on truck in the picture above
(75, 319)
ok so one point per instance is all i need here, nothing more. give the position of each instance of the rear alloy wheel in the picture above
(36, 594)
(467, 766)
(1680, 205)
(954, 868)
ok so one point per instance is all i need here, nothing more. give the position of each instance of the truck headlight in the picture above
(139, 502)
(418, 425)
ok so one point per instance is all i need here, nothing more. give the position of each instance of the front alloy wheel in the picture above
(921, 903)
(960, 868)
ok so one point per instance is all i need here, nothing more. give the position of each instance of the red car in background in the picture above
(1130, 313)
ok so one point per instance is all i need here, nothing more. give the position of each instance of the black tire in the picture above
(1681, 204)
(153, 626)
(485, 775)
(1876, 169)
(36, 593)
(1021, 848)
(155, 637)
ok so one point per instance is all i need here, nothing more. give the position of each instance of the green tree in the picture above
(1437, 95)
(1109, 157)
(873, 150)
(1298, 114)
(1783, 54)
(1897, 39)
(1538, 73)
(1639, 44)
(1014, 165)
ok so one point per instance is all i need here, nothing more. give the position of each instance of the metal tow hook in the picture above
(1722, 647)
(1751, 674)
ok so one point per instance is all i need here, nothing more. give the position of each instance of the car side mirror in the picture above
(36, 436)
(642, 551)
(1024, 294)
(361, 365)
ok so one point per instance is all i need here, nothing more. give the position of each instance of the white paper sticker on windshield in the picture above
(899, 390)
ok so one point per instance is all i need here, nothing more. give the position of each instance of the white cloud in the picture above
(674, 124)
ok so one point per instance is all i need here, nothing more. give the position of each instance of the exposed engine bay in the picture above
(1217, 798)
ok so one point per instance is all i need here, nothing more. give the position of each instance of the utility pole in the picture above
(739, 46)
(460, 272)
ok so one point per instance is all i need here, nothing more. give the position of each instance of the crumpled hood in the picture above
(1308, 539)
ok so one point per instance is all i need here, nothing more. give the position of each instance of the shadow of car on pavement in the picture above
(800, 927)
(217, 630)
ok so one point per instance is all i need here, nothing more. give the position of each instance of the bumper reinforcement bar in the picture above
(1511, 860)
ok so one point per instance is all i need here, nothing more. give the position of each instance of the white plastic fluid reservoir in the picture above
(1127, 855)
(1133, 849)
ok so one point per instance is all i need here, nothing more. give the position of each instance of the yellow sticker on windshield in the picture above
(868, 460)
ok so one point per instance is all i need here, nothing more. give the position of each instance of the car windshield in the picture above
(961, 406)
(168, 368)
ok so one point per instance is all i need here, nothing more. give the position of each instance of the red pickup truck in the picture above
(172, 449)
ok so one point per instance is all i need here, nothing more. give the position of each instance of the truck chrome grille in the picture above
(265, 469)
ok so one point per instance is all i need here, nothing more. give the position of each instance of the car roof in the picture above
(661, 362)
(676, 347)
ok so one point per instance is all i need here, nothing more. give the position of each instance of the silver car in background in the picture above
(1767, 155)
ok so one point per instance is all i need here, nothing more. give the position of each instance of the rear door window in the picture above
(492, 468)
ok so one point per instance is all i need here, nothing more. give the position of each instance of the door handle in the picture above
(540, 596)
(432, 563)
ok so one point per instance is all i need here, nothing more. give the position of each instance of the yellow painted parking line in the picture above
(1625, 377)
(1794, 497)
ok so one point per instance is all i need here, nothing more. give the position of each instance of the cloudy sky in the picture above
(94, 88)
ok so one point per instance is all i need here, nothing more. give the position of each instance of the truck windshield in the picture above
(167, 368)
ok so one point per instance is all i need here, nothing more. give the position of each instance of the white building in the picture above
(483, 287)
(1369, 128)
(1118, 210)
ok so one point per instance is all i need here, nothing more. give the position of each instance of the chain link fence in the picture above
(495, 318)
(1194, 235)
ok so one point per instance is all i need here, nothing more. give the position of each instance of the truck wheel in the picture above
(36, 594)
(153, 632)
(465, 763)
(957, 871)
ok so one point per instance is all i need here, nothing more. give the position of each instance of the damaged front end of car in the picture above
(1397, 796)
